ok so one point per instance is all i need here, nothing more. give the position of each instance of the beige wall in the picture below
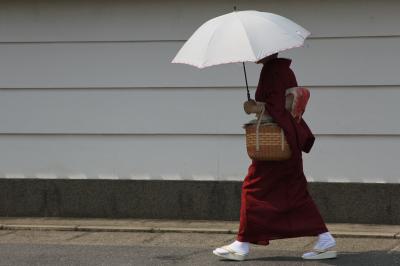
(87, 91)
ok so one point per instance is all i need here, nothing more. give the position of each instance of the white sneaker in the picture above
(230, 254)
(322, 248)
(319, 255)
(235, 251)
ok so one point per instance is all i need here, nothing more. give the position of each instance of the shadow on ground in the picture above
(344, 258)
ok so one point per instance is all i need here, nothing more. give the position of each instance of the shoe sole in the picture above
(322, 256)
(230, 256)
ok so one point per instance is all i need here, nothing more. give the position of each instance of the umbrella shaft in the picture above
(247, 85)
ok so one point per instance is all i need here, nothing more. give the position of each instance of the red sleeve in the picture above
(275, 96)
(298, 135)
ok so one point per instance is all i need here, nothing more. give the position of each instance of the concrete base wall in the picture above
(209, 200)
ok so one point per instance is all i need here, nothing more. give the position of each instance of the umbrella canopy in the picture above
(240, 36)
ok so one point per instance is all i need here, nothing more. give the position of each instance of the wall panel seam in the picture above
(33, 134)
(180, 40)
(314, 87)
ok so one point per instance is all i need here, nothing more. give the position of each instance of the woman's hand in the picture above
(253, 107)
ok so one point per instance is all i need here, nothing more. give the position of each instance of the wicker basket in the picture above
(272, 144)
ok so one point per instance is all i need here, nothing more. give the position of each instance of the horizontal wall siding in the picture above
(332, 110)
(212, 157)
(121, 20)
(325, 62)
(87, 90)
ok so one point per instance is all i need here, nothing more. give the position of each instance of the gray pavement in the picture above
(165, 226)
(37, 247)
(74, 241)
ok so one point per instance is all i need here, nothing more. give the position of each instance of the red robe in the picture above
(275, 200)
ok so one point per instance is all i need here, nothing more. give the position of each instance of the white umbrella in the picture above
(240, 36)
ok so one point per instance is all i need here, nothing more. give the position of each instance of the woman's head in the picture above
(266, 59)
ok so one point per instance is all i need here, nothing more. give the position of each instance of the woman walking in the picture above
(275, 202)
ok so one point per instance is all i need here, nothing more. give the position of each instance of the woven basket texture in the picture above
(270, 143)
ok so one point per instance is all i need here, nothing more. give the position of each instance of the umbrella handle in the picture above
(247, 85)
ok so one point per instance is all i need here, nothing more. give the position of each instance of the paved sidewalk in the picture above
(175, 226)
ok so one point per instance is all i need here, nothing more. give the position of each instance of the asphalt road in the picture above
(118, 248)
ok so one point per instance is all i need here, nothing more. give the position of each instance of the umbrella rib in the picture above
(208, 44)
(247, 35)
(281, 27)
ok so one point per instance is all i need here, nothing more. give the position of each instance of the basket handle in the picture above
(258, 127)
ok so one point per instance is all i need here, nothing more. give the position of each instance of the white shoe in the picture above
(322, 248)
(228, 253)
(319, 255)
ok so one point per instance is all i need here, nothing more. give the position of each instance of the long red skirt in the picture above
(276, 203)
